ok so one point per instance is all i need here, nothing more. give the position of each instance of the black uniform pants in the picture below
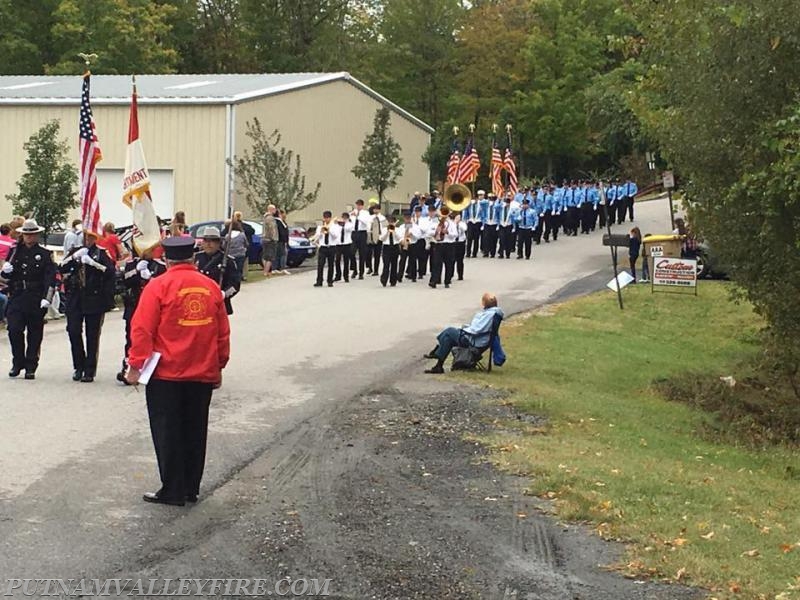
(601, 211)
(178, 412)
(325, 256)
(449, 261)
(376, 250)
(587, 216)
(437, 261)
(460, 252)
(408, 263)
(360, 247)
(24, 314)
(622, 207)
(84, 357)
(473, 238)
(573, 214)
(344, 254)
(629, 205)
(524, 242)
(421, 254)
(489, 240)
(537, 233)
(506, 241)
(391, 253)
(551, 225)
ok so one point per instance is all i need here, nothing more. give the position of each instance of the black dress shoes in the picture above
(29, 375)
(191, 498)
(435, 370)
(87, 378)
(121, 378)
(14, 372)
(317, 285)
(77, 375)
(155, 498)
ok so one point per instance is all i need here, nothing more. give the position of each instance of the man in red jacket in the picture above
(181, 315)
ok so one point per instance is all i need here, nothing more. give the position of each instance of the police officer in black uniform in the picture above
(209, 262)
(89, 283)
(139, 270)
(30, 275)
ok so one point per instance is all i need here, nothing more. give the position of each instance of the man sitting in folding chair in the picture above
(477, 334)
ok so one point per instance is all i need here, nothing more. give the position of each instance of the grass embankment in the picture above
(702, 510)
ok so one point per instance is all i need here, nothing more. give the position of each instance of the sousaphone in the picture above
(457, 197)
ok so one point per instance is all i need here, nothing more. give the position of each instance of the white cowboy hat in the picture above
(30, 226)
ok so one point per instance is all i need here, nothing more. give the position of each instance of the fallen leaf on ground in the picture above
(521, 515)
(751, 553)
(708, 536)
(680, 541)
(734, 588)
(786, 548)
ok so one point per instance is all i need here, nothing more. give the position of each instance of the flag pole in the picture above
(472, 137)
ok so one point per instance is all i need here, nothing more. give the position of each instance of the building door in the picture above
(109, 193)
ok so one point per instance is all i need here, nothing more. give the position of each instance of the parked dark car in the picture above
(299, 247)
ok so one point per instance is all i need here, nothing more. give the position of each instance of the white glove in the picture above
(44, 304)
(80, 253)
(8, 268)
(142, 265)
(88, 260)
(229, 292)
(223, 294)
(145, 274)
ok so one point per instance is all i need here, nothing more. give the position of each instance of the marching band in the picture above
(432, 239)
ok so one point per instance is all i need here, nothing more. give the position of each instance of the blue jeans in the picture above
(448, 339)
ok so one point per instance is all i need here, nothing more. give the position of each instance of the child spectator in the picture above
(634, 249)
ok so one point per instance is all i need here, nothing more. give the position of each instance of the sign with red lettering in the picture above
(674, 272)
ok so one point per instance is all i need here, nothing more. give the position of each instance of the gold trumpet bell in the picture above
(457, 197)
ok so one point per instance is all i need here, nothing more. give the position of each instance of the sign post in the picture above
(669, 185)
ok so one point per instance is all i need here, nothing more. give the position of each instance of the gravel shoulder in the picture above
(384, 495)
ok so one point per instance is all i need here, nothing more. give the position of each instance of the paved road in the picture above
(75, 458)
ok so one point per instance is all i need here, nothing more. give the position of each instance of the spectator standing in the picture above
(6, 242)
(111, 243)
(269, 240)
(634, 249)
(74, 237)
(283, 242)
(237, 247)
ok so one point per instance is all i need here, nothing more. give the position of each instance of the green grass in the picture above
(616, 454)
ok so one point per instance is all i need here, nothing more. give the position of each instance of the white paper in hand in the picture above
(148, 368)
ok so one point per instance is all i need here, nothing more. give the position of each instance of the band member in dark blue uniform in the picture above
(30, 276)
(89, 283)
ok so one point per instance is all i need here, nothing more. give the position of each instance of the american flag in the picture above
(470, 163)
(497, 170)
(452, 167)
(511, 167)
(90, 155)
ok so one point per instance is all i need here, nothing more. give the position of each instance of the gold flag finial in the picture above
(472, 127)
(87, 58)
(494, 127)
(455, 130)
(508, 128)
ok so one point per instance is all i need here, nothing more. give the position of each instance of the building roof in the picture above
(174, 89)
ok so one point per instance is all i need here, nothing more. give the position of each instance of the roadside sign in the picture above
(669, 180)
(675, 273)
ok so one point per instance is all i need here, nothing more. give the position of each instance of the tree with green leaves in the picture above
(47, 188)
(379, 163)
(723, 105)
(271, 174)
(129, 36)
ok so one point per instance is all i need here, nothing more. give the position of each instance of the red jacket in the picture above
(181, 314)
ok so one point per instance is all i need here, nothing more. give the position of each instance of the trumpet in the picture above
(406, 241)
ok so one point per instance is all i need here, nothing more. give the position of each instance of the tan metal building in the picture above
(190, 126)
